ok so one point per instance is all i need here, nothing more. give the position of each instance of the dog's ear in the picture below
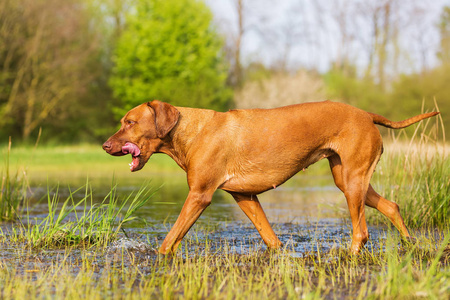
(166, 117)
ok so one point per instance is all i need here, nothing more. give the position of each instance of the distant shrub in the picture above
(280, 89)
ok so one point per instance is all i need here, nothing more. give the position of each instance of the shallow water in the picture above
(308, 214)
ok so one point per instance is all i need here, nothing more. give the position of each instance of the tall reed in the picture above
(416, 175)
(13, 191)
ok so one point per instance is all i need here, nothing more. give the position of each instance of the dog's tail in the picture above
(380, 120)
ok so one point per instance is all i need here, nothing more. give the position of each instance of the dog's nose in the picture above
(107, 145)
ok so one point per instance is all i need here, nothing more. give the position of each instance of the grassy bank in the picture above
(71, 165)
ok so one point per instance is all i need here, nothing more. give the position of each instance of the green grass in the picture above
(416, 175)
(71, 165)
(420, 271)
(80, 222)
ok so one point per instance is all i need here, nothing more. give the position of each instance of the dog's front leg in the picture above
(193, 207)
(252, 208)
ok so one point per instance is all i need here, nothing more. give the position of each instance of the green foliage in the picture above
(169, 51)
(364, 93)
(404, 99)
(410, 91)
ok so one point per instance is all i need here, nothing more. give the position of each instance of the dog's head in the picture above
(142, 132)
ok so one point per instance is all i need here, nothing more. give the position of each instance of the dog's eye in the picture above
(129, 122)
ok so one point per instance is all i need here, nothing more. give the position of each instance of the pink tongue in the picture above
(131, 148)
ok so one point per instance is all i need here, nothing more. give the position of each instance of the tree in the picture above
(46, 49)
(169, 51)
(410, 91)
(444, 30)
(236, 73)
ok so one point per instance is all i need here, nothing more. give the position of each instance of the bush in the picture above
(169, 51)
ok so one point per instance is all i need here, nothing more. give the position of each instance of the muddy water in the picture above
(308, 213)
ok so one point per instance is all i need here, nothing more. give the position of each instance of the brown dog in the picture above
(247, 152)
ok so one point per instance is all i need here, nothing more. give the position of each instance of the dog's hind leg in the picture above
(372, 199)
(387, 208)
(252, 208)
(355, 193)
(354, 184)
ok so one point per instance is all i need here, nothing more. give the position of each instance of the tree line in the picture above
(73, 67)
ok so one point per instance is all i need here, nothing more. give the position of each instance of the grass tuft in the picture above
(83, 222)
